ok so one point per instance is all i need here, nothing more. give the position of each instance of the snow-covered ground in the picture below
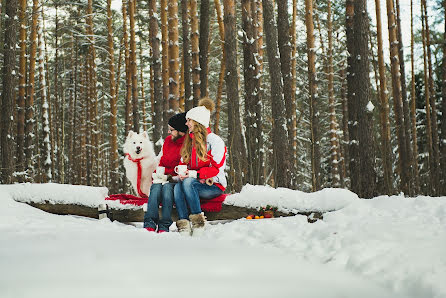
(385, 247)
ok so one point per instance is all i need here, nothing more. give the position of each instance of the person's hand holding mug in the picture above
(182, 171)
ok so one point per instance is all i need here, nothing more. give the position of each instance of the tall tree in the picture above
(114, 158)
(284, 42)
(314, 125)
(174, 57)
(435, 175)
(157, 80)
(364, 104)
(279, 131)
(195, 52)
(165, 61)
(186, 54)
(133, 68)
(29, 116)
(235, 139)
(128, 79)
(443, 109)
(405, 102)
(20, 156)
(221, 31)
(397, 101)
(252, 91)
(413, 105)
(9, 56)
(384, 103)
(427, 94)
(334, 143)
(204, 44)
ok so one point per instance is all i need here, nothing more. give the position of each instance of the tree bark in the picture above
(284, 42)
(133, 68)
(9, 55)
(279, 131)
(222, 66)
(334, 143)
(157, 79)
(235, 144)
(413, 106)
(195, 52)
(20, 138)
(204, 44)
(443, 111)
(165, 62)
(384, 107)
(314, 123)
(186, 55)
(174, 68)
(362, 94)
(397, 102)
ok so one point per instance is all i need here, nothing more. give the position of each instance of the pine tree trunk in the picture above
(404, 165)
(143, 96)
(284, 42)
(165, 62)
(384, 107)
(128, 79)
(436, 156)
(413, 106)
(9, 55)
(443, 112)
(114, 157)
(174, 58)
(222, 66)
(46, 150)
(406, 116)
(204, 44)
(20, 139)
(427, 92)
(280, 135)
(334, 143)
(252, 91)
(29, 116)
(186, 55)
(362, 95)
(133, 68)
(157, 80)
(195, 52)
(314, 123)
(293, 80)
(237, 156)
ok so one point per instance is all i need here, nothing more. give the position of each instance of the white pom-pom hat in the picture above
(199, 114)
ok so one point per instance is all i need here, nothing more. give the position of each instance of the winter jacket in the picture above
(170, 157)
(214, 167)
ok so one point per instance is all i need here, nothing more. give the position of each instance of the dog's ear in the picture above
(145, 135)
(130, 134)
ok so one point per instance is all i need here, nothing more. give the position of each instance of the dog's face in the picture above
(138, 145)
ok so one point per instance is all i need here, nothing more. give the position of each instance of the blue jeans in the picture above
(159, 193)
(188, 193)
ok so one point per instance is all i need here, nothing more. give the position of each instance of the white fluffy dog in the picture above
(140, 161)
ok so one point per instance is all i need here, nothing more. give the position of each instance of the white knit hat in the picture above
(200, 114)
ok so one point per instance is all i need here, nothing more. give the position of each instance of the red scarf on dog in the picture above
(138, 179)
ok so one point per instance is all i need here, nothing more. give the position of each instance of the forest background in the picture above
(307, 96)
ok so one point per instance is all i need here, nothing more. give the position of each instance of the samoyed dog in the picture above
(140, 161)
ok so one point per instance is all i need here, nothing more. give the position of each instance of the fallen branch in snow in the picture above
(136, 214)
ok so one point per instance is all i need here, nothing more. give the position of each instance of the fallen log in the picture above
(136, 214)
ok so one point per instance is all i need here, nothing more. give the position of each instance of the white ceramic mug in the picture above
(160, 171)
(181, 170)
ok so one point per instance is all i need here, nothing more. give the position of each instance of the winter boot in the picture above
(183, 226)
(198, 222)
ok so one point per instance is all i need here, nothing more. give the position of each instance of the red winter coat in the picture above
(215, 165)
(171, 154)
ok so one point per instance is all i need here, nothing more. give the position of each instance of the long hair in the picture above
(200, 134)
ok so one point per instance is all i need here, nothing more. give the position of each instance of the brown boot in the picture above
(198, 222)
(183, 226)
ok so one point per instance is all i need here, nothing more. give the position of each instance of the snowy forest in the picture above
(307, 94)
